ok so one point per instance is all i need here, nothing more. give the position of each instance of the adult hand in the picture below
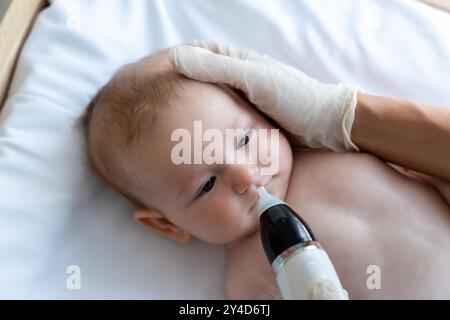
(316, 114)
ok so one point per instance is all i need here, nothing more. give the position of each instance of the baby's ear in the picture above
(155, 221)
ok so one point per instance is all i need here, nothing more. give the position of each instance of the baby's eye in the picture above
(208, 185)
(244, 140)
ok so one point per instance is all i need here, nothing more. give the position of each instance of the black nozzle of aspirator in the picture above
(281, 228)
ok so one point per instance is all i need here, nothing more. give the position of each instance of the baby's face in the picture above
(212, 202)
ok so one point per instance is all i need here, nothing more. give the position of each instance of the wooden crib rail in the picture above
(440, 4)
(14, 28)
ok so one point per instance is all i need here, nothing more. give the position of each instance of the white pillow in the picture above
(56, 212)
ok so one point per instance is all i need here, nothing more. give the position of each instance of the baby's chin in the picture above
(251, 233)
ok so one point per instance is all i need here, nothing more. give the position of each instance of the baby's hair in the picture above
(121, 111)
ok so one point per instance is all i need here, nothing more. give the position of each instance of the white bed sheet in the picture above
(55, 212)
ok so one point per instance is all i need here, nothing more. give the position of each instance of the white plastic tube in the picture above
(303, 269)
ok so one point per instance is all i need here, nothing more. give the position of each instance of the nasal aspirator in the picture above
(303, 269)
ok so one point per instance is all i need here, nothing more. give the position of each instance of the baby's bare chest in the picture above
(371, 218)
(387, 235)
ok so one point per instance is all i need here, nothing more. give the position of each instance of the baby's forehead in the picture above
(212, 104)
(201, 107)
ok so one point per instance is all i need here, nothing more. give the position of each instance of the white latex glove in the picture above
(317, 114)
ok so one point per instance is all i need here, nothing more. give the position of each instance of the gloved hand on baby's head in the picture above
(320, 115)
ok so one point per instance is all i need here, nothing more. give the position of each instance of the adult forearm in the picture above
(405, 133)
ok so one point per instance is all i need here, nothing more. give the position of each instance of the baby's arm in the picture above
(441, 186)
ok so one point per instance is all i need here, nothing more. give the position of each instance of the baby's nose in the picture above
(245, 176)
(259, 180)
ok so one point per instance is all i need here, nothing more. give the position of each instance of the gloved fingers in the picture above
(227, 50)
(183, 62)
(203, 65)
(243, 54)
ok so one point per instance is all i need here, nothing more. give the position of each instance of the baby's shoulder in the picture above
(322, 159)
(332, 170)
(356, 168)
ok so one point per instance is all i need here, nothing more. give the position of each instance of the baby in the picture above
(386, 229)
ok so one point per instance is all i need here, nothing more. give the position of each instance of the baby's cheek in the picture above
(223, 218)
(220, 218)
(212, 217)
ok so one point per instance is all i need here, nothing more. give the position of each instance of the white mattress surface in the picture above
(55, 211)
